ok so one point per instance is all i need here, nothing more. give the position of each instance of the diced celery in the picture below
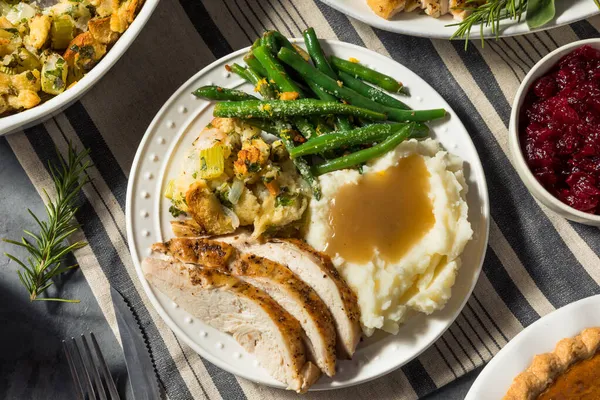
(212, 162)
(62, 31)
(7, 70)
(169, 191)
(54, 74)
(27, 60)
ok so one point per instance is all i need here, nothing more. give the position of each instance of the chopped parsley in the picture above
(284, 200)
(87, 51)
(176, 212)
(253, 167)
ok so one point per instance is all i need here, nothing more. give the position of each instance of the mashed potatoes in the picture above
(422, 278)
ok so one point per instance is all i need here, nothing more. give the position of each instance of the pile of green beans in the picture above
(341, 108)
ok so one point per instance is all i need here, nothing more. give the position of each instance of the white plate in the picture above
(418, 24)
(539, 337)
(57, 104)
(159, 157)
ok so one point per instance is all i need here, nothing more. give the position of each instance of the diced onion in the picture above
(235, 221)
(237, 188)
(19, 12)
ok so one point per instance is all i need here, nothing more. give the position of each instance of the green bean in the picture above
(274, 40)
(323, 127)
(316, 53)
(282, 41)
(220, 93)
(254, 64)
(275, 71)
(260, 84)
(310, 73)
(371, 92)
(320, 61)
(268, 40)
(367, 74)
(282, 130)
(365, 155)
(283, 109)
(369, 134)
(342, 122)
(242, 72)
(277, 74)
(264, 125)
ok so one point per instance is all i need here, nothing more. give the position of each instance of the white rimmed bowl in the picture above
(59, 103)
(536, 188)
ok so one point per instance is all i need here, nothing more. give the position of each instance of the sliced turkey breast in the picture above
(412, 5)
(436, 8)
(456, 8)
(230, 305)
(297, 298)
(201, 251)
(318, 272)
(386, 8)
(186, 228)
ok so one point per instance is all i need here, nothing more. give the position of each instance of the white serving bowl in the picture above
(538, 191)
(59, 103)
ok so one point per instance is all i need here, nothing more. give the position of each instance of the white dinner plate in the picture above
(57, 104)
(418, 24)
(159, 158)
(539, 337)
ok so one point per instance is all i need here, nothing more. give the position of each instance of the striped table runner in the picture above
(536, 261)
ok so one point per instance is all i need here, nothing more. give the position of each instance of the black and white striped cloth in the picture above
(536, 261)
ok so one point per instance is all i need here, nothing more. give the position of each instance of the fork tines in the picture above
(91, 377)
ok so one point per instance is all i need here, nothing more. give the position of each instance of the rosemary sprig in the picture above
(48, 248)
(492, 12)
(488, 14)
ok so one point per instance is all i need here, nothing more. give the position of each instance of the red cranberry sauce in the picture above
(560, 130)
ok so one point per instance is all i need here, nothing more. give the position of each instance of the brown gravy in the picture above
(389, 211)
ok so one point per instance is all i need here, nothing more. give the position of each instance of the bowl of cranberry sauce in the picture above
(554, 131)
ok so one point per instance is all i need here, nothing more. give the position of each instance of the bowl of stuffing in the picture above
(50, 56)
(554, 131)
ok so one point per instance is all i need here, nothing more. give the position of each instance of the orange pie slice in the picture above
(570, 372)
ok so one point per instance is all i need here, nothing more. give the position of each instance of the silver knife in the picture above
(142, 375)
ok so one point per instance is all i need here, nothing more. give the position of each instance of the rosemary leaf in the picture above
(48, 248)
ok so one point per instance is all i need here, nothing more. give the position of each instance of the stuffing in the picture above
(63, 41)
(39, 30)
(259, 183)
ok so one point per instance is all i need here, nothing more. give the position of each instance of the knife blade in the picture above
(142, 375)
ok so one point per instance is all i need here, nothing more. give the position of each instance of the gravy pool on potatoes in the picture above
(389, 211)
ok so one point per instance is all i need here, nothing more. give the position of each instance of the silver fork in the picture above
(89, 372)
